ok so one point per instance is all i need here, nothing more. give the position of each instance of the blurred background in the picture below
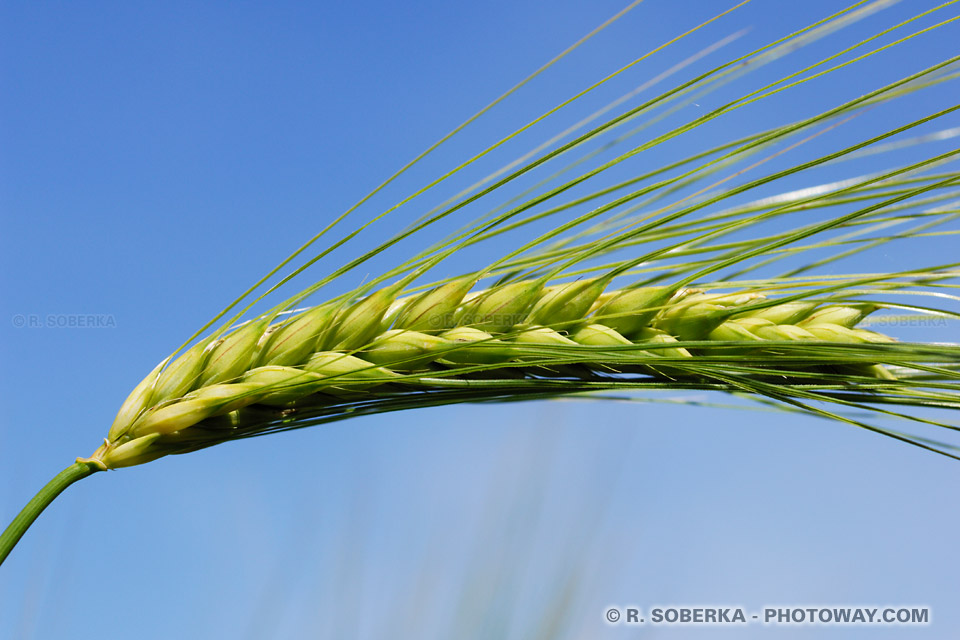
(157, 158)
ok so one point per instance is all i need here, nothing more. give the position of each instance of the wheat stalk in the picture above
(662, 280)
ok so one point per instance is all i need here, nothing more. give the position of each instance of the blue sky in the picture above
(157, 158)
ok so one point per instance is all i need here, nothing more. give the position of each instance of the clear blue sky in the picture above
(156, 158)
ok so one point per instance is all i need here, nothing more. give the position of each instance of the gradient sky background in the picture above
(158, 157)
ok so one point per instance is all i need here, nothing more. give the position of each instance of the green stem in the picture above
(44, 497)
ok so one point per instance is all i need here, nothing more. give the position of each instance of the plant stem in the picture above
(39, 502)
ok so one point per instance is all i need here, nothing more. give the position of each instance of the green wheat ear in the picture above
(665, 280)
